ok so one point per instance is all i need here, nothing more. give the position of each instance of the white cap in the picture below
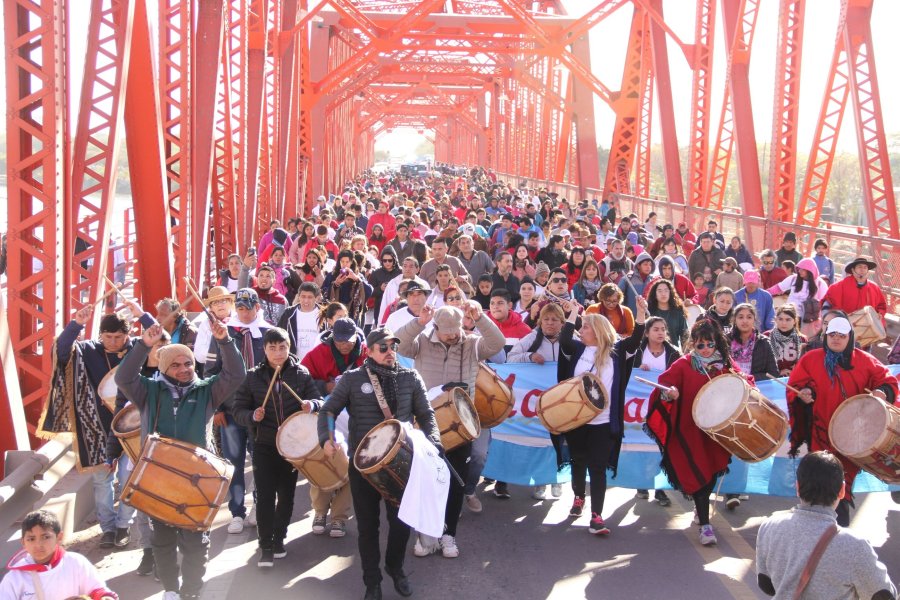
(839, 325)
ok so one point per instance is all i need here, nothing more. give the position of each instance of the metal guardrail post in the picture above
(24, 467)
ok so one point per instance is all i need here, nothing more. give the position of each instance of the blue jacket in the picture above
(762, 300)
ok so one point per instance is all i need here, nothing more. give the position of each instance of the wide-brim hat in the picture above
(219, 292)
(860, 260)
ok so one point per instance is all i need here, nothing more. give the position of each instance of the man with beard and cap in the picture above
(615, 264)
(416, 296)
(640, 278)
(178, 404)
(855, 291)
(825, 378)
(378, 390)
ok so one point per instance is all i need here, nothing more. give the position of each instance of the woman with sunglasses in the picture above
(826, 377)
(380, 277)
(691, 459)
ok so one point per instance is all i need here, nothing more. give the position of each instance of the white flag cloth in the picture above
(425, 497)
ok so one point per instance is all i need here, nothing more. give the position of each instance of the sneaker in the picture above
(169, 595)
(318, 527)
(266, 558)
(597, 526)
(556, 490)
(473, 503)
(577, 507)
(148, 563)
(501, 490)
(448, 546)
(732, 501)
(236, 525)
(539, 492)
(338, 529)
(278, 550)
(707, 535)
(122, 537)
(642, 495)
(421, 549)
(108, 539)
(251, 516)
(662, 498)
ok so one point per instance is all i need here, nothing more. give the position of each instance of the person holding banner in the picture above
(825, 379)
(692, 460)
(595, 447)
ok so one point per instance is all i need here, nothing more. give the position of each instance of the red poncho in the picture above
(845, 295)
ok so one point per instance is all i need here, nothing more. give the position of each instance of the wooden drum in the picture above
(572, 403)
(384, 457)
(867, 326)
(866, 430)
(456, 418)
(740, 418)
(297, 441)
(178, 483)
(126, 426)
(493, 398)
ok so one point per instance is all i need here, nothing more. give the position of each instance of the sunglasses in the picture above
(704, 345)
(387, 260)
(768, 262)
(835, 334)
(383, 348)
(453, 298)
(557, 280)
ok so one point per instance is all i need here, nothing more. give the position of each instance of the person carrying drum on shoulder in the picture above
(826, 378)
(855, 291)
(595, 446)
(180, 405)
(449, 354)
(404, 395)
(262, 406)
(691, 459)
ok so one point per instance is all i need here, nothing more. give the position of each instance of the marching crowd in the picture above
(450, 271)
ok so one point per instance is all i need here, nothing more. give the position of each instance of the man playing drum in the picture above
(262, 405)
(855, 291)
(826, 378)
(404, 397)
(179, 405)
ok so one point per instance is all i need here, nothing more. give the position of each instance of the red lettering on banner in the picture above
(633, 412)
(527, 410)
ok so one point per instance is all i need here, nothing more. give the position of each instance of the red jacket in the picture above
(770, 278)
(387, 221)
(322, 365)
(845, 295)
(809, 423)
(330, 247)
(513, 327)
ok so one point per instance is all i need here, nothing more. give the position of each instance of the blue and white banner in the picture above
(521, 451)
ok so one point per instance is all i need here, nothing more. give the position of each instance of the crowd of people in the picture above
(449, 271)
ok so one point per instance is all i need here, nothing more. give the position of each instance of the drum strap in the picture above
(379, 394)
(38, 588)
(814, 559)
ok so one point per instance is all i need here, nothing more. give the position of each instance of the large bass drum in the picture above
(866, 430)
(456, 418)
(297, 441)
(867, 326)
(572, 403)
(384, 457)
(493, 397)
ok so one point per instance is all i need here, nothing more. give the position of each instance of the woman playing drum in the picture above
(691, 459)
(595, 446)
(826, 378)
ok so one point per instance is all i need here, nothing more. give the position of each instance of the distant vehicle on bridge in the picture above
(414, 169)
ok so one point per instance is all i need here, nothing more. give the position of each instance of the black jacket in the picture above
(354, 393)
(281, 404)
(763, 364)
(672, 354)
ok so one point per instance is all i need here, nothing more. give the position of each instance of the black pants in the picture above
(367, 506)
(194, 547)
(459, 458)
(701, 501)
(276, 481)
(590, 447)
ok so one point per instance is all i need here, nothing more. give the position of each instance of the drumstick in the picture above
(271, 385)
(104, 296)
(658, 386)
(193, 291)
(111, 284)
(785, 384)
(165, 320)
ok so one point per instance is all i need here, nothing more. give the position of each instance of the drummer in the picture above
(855, 292)
(595, 446)
(691, 459)
(405, 398)
(449, 354)
(179, 405)
(826, 378)
(263, 407)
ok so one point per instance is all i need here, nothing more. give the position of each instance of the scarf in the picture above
(591, 287)
(704, 365)
(832, 360)
(387, 377)
(254, 327)
(339, 361)
(780, 341)
(743, 353)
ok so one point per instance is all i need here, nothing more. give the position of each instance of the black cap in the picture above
(377, 336)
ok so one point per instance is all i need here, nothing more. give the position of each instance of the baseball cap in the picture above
(246, 298)
(839, 325)
(565, 233)
(415, 286)
(468, 229)
(377, 336)
(344, 330)
(751, 277)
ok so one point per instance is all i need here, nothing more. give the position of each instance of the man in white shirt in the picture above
(409, 270)
(301, 320)
(416, 295)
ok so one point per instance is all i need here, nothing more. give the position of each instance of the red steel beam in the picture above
(701, 102)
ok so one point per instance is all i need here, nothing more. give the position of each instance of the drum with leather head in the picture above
(108, 390)
(178, 483)
(693, 312)
(866, 430)
(297, 441)
(384, 457)
(456, 418)
(493, 397)
(572, 403)
(867, 326)
(126, 426)
(739, 418)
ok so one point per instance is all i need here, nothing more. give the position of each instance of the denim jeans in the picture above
(477, 460)
(108, 515)
(234, 449)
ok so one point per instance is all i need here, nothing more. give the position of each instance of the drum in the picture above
(178, 483)
(108, 390)
(126, 426)
(384, 458)
(297, 441)
(693, 312)
(493, 397)
(740, 418)
(866, 430)
(867, 326)
(572, 403)
(456, 418)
